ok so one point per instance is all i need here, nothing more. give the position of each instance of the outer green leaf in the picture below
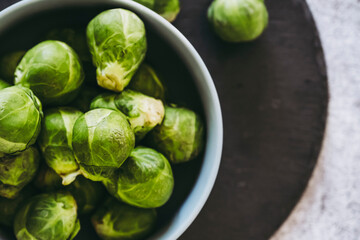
(76, 230)
(117, 221)
(4, 84)
(105, 100)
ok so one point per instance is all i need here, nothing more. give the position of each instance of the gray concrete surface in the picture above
(330, 206)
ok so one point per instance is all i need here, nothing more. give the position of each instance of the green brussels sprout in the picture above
(180, 137)
(238, 20)
(75, 38)
(86, 193)
(20, 119)
(102, 140)
(145, 180)
(168, 9)
(105, 100)
(143, 112)
(117, 221)
(17, 171)
(52, 70)
(47, 180)
(4, 84)
(55, 141)
(8, 64)
(47, 216)
(8, 207)
(83, 100)
(117, 42)
(147, 82)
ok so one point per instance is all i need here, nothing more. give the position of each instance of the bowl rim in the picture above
(209, 97)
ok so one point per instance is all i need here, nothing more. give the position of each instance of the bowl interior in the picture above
(32, 28)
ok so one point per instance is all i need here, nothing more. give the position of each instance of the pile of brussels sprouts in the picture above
(69, 147)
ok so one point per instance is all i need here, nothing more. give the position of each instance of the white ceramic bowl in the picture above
(21, 25)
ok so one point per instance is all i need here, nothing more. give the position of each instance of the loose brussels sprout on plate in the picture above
(4, 84)
(75, 38)
(8, 64)
(118, 221)
(55, 141)
(117, 42)
(8, 207)
(181, 135)
(86, 193)
(147, 82)
(145, 180)
(20, 119)
(168, 9)
(143, 112)
(102, 140)
(17, 171)
(52, 70)
(48, 216)
(238, 20)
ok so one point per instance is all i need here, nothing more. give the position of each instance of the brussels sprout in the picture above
(17, 171)
(86, 193)
(47, 180)
(105, 100)
(83, 100)
(238, 20)
(47, 216)
(52, 70)
(147, 82)
(181, 135)
(20, 119)
(8, 64)
(55, 142)
(143, 112)
(145, 179)
(4, 84)
(102, 140)
(8, 207)
(75, 38)
(117, 42)
(117, 221)
(168, 9)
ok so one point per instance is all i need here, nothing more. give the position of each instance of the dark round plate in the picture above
(273, 93)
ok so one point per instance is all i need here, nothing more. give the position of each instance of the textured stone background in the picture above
(330, 207)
